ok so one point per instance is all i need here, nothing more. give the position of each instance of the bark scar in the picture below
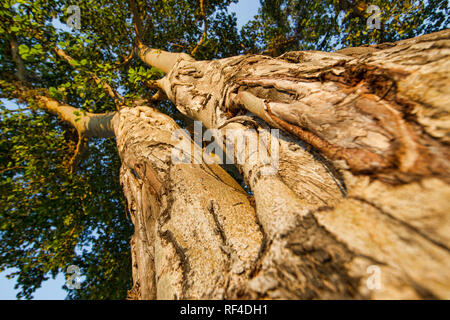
(358, 160)
(143, 171)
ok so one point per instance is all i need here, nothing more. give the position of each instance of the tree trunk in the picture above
(196, 234)
(358, 206)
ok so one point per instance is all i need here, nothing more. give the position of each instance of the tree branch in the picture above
(205, 29)
(20, 74)
(137, 23)
(160, 59)
(89, 125)
(118, 99)
(79, 151)
(11, 168)
(128, 58)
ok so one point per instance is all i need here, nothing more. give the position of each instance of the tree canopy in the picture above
(60, 206)
(288, 25)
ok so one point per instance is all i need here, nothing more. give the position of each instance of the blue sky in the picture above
(245, 10)
(52, 289)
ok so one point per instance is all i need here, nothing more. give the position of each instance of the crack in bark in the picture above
(264, 248)
(225, 247)
(401, 222)
(168, 236)
(219, 229)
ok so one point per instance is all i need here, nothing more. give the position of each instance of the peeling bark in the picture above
(196, 234)
(363, 173)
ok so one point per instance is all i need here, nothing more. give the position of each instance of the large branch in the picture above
(90, 125)
(157, 58)
(87, 124)
(160, 59)
(347, 108)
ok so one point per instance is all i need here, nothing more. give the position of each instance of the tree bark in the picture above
(196, 234)
(362, 181)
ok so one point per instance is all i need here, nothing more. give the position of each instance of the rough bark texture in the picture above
(196, 234)
(363, 177)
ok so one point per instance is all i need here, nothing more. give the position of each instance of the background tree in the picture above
(287, 25)
(75, 199)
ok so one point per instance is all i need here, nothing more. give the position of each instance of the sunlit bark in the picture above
(363, 176)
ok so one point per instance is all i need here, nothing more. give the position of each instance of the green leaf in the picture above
(23, 49)
(74, 63)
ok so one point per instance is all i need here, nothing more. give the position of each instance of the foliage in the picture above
(288, 25)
